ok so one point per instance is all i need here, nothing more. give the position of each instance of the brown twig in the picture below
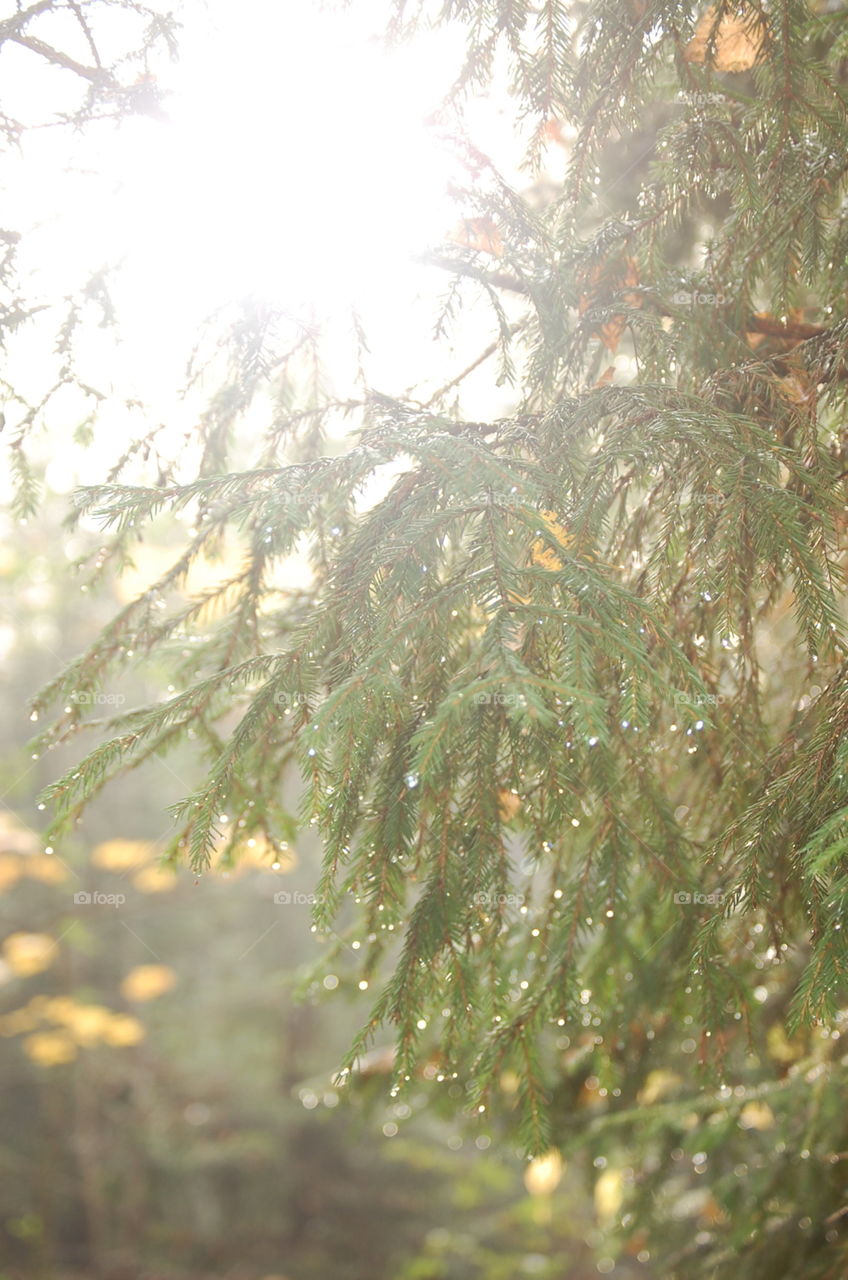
(95, 74)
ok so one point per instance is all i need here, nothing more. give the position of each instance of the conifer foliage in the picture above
(568, 697)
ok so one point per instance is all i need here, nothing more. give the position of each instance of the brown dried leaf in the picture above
(541, 553)
(508, 804)
(611, 330)
(479, 234)
(738, 42)
(552, 132)
(610, 333)
(799, 390)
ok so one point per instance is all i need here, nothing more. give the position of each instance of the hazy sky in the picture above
(296, 161)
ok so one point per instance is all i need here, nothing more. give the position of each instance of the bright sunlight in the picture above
(262, 171)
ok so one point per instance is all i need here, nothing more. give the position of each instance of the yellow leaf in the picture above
(541, 553)
(510, 1082)
(545, 557)
(122, 1029)
(49, 1048)
(738, 42)
(148, 981)
(15, 1023)
(86, 1023)
(121, 855)
(59, 1009)
(609, 1194)
(45, 869)
(658, 1084)
(781, 1048)
(543, 1174)
(563, 537)
(10, 870)
(155, 880)
(29, 953)
(756, 1115)
(508, 804)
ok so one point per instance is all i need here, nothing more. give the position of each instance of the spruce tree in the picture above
(568, 700)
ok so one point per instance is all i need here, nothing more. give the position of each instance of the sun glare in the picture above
(294, 159)
(294, 163)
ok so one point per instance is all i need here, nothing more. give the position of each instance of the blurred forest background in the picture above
(168, 1058)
